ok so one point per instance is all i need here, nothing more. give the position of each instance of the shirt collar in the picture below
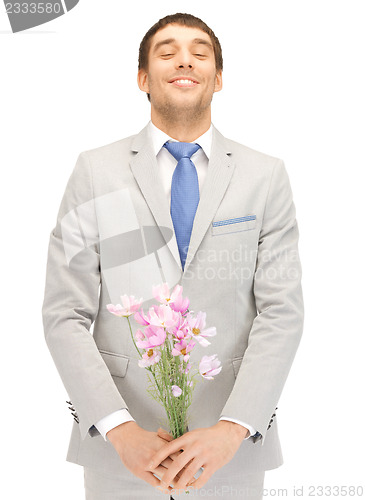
(159, 138)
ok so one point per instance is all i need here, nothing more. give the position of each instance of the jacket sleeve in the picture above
(277, 329)
(71, 301)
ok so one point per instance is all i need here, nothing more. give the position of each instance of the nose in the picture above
(185, 60)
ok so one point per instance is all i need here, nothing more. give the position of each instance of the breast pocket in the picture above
(117, 363)
(233, 225)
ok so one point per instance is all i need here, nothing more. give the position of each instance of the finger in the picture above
(160, 471)
(175, 456)
(176, 467)
(187, 476)
(164, 434)
(167, 462)
(172, 447)
(202, 479)
(161, 486)
(152, 480)
(165, 465)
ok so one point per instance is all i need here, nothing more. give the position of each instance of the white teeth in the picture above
(184, 81)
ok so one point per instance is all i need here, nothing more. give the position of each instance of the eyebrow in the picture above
(169, 41)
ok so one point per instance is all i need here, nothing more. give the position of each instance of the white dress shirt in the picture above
(166, 164)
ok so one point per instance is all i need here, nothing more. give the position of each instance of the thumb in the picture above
(164, 434)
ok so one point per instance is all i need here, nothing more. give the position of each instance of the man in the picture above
(223, 227)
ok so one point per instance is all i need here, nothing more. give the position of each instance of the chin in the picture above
(171, 106)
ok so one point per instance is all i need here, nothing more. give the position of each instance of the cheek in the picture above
(161, 69)
(156, 79)
(210, 82)
(209, 74)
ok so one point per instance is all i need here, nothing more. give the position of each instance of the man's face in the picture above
(181, 75)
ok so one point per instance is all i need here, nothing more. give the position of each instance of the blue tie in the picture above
(184, 193)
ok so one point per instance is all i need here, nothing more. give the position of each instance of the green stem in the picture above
(177, 426)
(147, 367)
(170, 396)
(156, 382)
(130, 329)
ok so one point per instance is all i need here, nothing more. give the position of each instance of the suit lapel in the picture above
(145, 170)
(219, 174)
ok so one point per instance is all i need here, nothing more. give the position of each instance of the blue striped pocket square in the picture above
(233, 225)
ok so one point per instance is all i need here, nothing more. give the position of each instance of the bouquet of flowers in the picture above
(169, 333)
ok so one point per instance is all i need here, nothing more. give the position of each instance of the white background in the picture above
(293, 88)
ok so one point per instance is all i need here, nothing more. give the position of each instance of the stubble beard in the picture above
(189, 112)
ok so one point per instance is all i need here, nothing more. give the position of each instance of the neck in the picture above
(182, 131)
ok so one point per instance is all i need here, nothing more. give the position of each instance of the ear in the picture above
(142, 79)
(218, 81)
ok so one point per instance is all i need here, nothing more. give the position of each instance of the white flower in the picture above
(209, 366)
(176, 391)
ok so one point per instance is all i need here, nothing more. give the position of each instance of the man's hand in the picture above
(207, 447)
(136, 447)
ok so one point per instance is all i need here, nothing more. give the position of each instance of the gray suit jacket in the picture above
(114, 236)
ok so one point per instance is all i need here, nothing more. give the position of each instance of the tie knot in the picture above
(181, 149)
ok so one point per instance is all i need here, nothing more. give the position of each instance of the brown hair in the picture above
(184, 20)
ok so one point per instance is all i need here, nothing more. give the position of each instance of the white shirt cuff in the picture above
(113, 420)
(251, 430)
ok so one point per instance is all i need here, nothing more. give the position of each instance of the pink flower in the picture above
(149, 358)
(181, 329)
(155, 336)
(209, 366)
(163, 316)
(139, 335)
(141, 318)
(130, 306)
(179, 304)
(176, 391)
(162, 293)
(197, 326)
(183, 348)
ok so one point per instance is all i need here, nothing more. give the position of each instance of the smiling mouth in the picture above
(184, 82)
